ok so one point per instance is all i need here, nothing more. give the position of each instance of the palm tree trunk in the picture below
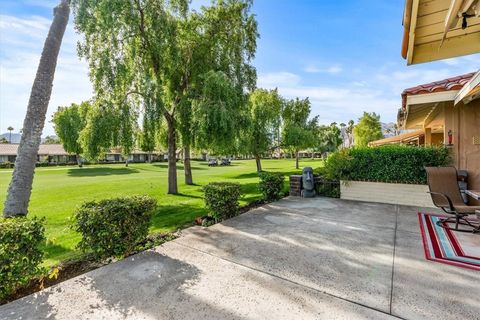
(172, 157)
(187, 166)
(20, 187)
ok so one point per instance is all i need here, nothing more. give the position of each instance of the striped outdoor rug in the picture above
(460, 249)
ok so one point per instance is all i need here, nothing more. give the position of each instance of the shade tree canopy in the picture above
(298, 130)
(368, 129)
(155, 54)
(68, 123)
(262, 118)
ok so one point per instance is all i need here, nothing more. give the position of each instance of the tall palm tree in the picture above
(21, 184)
(10, 129)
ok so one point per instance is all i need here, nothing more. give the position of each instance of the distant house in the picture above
(55, 154)
(52, 153)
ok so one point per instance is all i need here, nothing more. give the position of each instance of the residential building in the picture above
(55, 154)
(445, 112)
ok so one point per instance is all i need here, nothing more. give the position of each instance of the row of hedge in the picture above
(389, 163)
(109, 228)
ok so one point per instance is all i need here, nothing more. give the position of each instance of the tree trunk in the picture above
(20, 187)
(79, 160)
(126, 161)
(149, 158)
(172, 157)
(259, 164)
(296, 160)
(186, 165)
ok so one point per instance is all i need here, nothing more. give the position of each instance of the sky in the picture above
(343, 55)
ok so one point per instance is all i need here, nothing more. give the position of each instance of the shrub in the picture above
(271, 185)
(20, 253)
(337, 166)
(328, 188)
(221, 199)
(6, 165)
(390, 163)
(113, 227)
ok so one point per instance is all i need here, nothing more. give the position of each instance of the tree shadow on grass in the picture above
(184, 195)
(95, 172)
(255, 174)
(250, 192)
(179, 166)
(53, 250)
(173, 217)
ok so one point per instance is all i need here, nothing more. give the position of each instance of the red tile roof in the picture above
(453, 83)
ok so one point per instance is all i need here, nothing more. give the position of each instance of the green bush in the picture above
(390, 163)
(6, 165)
(113, 227)
(20, 253)
(328, 188)
(221, 199)
(271, 185)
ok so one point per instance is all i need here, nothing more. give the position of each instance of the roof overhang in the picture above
(401, 138)
(422, 109)
(432, 97)
(470, 91)
(440, 29)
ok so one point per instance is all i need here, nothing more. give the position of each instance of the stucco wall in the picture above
(464, 121)
(394, 193)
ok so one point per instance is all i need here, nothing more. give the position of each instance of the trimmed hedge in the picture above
(20, 253)
(113, 227)
(390, 163)
(271, 185)
(6, 165)
(221, 199)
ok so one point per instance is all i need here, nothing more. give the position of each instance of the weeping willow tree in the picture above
(154, 54)
(69, 121)
(263, 114)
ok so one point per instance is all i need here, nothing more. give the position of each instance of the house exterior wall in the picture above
(464, 121)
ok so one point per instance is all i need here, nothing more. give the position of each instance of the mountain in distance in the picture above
(17, 136)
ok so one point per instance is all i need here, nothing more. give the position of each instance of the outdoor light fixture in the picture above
(464, 21)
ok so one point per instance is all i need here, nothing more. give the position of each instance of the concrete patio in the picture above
(294, 259)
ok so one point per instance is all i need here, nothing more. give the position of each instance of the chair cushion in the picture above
(467, 209)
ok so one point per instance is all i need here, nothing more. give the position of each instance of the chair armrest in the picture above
(450, 204)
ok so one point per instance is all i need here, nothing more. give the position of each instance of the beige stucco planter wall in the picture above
(393, 193)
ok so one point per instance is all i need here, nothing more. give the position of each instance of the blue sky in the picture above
(343, 55)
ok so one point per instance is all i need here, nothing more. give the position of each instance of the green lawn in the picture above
(58, 190)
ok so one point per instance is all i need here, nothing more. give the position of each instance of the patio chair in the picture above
(445, 192)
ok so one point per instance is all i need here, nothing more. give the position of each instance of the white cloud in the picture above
(334, 69)
(338, 103)
(21, 43)
(275, 79)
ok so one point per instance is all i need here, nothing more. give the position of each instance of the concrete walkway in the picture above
(294, 259)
